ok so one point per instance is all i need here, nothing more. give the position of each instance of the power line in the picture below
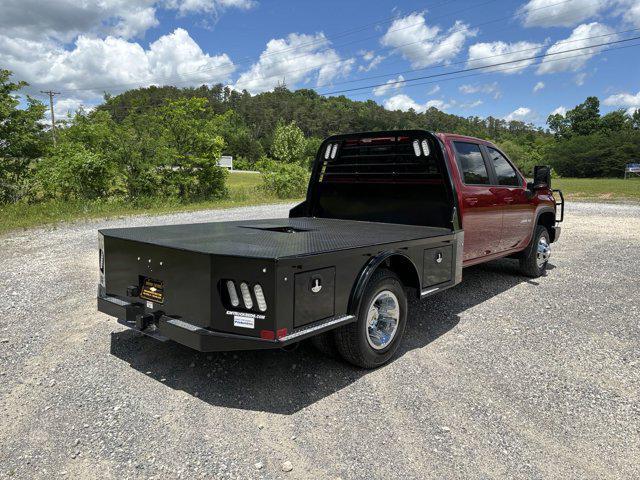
(442, 65)
(498, 70)
(535, 57)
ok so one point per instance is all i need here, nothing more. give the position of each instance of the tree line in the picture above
(165, 141)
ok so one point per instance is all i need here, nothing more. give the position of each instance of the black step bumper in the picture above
(165, 328)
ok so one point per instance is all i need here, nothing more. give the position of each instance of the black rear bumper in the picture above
(165, 328)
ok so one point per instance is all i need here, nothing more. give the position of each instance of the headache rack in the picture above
(385, 159)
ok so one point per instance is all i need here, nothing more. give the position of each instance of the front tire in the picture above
(534, 263)
(374, 338)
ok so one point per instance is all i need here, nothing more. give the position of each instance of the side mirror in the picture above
(541, 177)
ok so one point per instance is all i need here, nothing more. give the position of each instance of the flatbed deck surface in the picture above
(271, 238)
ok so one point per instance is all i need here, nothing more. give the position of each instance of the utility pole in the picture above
(51, 93)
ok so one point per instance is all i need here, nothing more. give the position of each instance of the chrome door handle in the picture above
(508, 199)
(471, 201)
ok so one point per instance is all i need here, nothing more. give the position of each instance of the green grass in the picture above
(599, 189)
(243, 191)
(238, 180)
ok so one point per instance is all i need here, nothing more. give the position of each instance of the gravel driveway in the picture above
(500, 377)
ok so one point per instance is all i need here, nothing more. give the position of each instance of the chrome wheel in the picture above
(382, 319)
(544, 251)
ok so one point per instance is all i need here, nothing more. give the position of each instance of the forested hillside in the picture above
(317, 116)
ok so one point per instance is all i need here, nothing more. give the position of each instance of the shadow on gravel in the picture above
(284, 382)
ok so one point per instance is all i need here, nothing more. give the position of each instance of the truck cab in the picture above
(499, 210)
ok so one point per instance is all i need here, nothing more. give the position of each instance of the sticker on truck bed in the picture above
(152, 290)
(243, 322)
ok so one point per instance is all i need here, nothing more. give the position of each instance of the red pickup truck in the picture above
(387, 215)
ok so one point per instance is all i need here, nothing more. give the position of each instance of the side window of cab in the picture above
(471, 163)
(506, 175)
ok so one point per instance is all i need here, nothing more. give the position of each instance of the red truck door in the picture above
(510, 190)
(481, 212)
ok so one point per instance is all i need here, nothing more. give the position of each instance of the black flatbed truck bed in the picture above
(193, 262)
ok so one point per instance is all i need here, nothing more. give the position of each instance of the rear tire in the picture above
(534, 262)
(374, 338)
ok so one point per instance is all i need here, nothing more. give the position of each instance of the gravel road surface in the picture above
(500, 377)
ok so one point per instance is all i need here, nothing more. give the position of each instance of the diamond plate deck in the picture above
(249, 239)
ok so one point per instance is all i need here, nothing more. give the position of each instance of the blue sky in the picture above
(82, 49)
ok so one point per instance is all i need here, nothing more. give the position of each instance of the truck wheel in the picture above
(373, 339)
(325, 344)
(534, 262)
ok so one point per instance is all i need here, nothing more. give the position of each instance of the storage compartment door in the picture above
(436, 265)
(314, 296)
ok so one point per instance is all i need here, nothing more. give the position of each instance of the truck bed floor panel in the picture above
(277, 238)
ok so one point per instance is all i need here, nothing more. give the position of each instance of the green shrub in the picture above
(241, 163)
(286, 180)
(71, 171)
(288, 144)
(204, 182)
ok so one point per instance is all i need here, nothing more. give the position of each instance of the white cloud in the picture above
(628, 100)
(559, 111)
(484, 54)
(99, 64)
(522, 114)
(580, 78)
(468, 105)
(579, 38)
(434, 90)
(486, 88)
(393, 84)
(294, 59)
(423, 44)
(208, 6)
(539, 86)
(67, 106)
(630, 10)
(372, 60)
(64, 20)
(367, 55)
(553, 13)
(405, 103)
(439, 104)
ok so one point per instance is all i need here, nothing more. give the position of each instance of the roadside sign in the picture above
(631, 169)
(226, 161)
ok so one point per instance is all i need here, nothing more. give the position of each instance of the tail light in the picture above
(249, 297)
(262, 304)
(233, 295)
(246, 296)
